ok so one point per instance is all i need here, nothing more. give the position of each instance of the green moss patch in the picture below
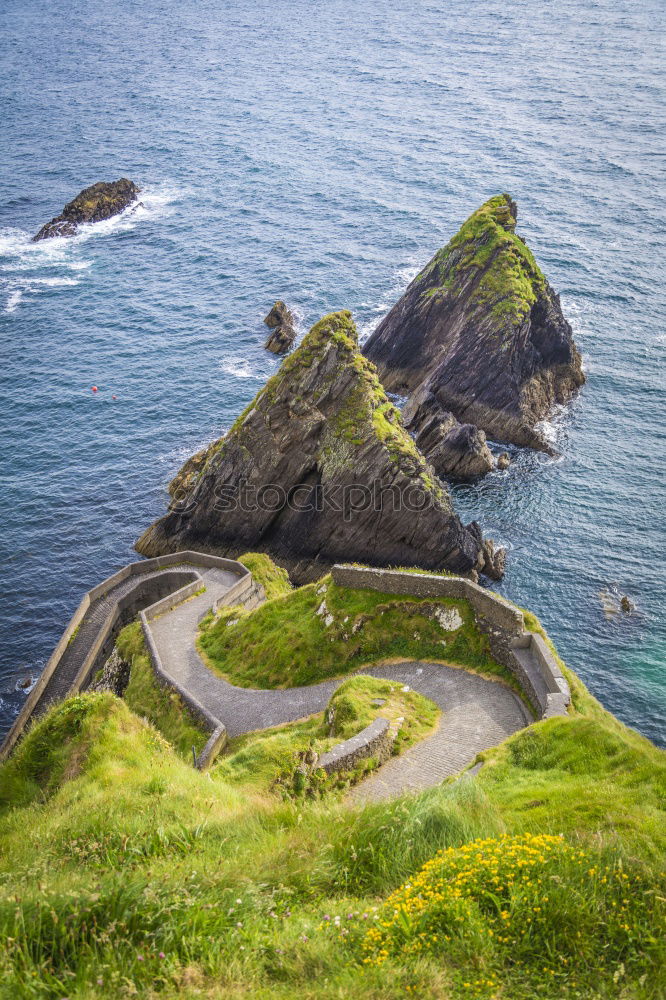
(487, 253)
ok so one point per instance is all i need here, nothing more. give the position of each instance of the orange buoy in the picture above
(114, 397)
(94, 388)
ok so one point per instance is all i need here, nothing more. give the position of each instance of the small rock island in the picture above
(280, 322)
(95, 203)
(319, 468)
(479, 344)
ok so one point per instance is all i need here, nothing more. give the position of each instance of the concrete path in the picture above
(477, 713)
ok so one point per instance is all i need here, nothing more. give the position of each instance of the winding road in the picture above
(477, 712)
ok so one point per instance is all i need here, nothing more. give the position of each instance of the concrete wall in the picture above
(524, 653)
(175, 584)
(218, 732)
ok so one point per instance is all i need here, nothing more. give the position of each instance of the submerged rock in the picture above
(613, 602)
(319, 468)
(281, 322)
(503, 460)
(480, 332)
(95, 203)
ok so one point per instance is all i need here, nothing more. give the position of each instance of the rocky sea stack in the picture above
(95, 203)
(281, 324)
(319, 468)
(479, 340)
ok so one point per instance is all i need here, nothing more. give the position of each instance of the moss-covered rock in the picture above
(481, 333)
(318, 468)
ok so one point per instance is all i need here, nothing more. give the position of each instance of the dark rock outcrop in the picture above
(281, 323)
(280, 339)
(319, 468)
(455, 450)
(481, 333)
(99, 201)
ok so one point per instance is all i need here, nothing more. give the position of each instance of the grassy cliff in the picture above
(124, 872)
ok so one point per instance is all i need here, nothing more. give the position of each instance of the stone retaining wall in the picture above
(218, 732)
(393, 581)
(524, 653)
(154, 589)
(376, 740)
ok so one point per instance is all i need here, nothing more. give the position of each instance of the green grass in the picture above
(265, 572)
(269, 759)
(291, 641)
(124, 872)
(162, 707)
(535, 904)
(143, 877)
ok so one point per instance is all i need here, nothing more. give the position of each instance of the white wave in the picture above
(553, 427)
(240, 368)
(24, 262)
(13, 301)
(53, 282)
(366, 329)
(25, 684)
(406, 275)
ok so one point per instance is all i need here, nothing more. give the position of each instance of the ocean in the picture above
(321, 153)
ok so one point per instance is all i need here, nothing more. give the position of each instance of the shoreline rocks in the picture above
(281, 324)
(480, 336)
(319, 468)
(95, 203)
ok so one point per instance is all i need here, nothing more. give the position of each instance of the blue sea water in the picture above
(321, 153)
